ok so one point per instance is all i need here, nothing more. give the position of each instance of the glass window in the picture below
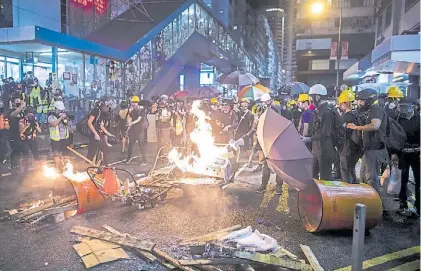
(42, 71)
(388, 16)
(345, 63)
(95, 73)
(192, 19)
(70, 72)
(319, 64)
(167, 33)
(2, 68)
(409, 4)
(184, 25)
(379, 25)
(12, 68)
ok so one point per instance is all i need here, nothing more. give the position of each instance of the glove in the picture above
(306, 139)
(236, 144)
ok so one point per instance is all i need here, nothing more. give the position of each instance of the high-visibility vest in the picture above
(178, 126)
(55, 132)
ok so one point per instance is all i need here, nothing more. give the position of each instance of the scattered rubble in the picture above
(215, 250)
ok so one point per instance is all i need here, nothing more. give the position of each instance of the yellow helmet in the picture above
(346, 96)
(135, 99)
(214, 100)
(244, 100)
(276, 102)
(303, 97)
(394, 92)
(291, 102)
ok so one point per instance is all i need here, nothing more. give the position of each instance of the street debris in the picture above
(58, 208)
(236, 246)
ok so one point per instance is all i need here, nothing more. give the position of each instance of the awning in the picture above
(400, 54)
(358, 68)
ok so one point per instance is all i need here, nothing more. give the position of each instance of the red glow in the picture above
(99, 5)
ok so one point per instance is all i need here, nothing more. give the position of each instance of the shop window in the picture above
(2, 68)
(345, 63)
(319, 64)
(12, 68)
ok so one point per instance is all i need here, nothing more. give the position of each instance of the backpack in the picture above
(82, 126)
(395, 135)
(338, 128)
(357, 136)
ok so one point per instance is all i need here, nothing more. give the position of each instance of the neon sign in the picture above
(99, 5)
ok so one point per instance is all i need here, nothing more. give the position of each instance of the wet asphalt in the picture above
(48, 246)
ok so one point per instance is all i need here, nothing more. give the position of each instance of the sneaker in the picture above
(278, 190)
(402, 208)
(261, 190)
(143, 163)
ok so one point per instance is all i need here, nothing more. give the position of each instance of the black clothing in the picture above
(266, 176)
(141, 126)
(98, 145)
(322, 147)
(140, 138)
(14, 125)
(350, 147)
(409, 157)
(375, 140)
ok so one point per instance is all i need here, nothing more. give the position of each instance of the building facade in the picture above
(317, 37)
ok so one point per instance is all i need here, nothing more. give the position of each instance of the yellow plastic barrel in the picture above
(329, 205)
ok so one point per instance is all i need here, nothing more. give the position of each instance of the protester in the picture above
(97, 123)
(351, 149)
(16, 114)
(58, 126)
(409, 157)
(322, 134)
(374, 132)
(394, 94)
(28, 129)
(137, 127)
(306, 118)
(4, 127)
(123, 119)
(163, 122)
(244, 123)
(227, 120)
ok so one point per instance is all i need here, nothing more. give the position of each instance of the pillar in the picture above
(291, 18)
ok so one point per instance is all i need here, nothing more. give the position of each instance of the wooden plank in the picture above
(311, 258)
(170, 259)
(211, 236)
(38, 209)
(272, 260)
(51, 211)
(214, 261)
(81, 156)
(113, 238)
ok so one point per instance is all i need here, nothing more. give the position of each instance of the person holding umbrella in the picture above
(266, 171)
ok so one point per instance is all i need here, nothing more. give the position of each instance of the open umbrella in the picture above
(294, 88)
(238, 78)
(284, 150)
(181, 94)
(204, 93)
(253, 92)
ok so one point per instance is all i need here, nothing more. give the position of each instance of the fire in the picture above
(208, 152)
(52, 173)
(37, 204)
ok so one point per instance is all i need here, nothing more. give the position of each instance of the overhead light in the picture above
(221, 11)
(309, 52)
(275, 9)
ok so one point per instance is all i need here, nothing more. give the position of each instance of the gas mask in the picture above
(406, 111)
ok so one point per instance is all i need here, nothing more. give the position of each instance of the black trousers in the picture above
(3, 149)
(30, 146)
(347, 166)
(138, 137)
(266, 176)
(16, 154)
(98, 145)
(322, 164)
(406, 161)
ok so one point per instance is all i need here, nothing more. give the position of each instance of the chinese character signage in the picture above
(99, 5)
(333, 50)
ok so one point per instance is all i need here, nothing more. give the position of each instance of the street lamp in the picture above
(318, 8)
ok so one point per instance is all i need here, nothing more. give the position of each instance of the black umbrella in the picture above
(238, 78)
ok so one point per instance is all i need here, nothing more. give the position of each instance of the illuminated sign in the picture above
(99, 5)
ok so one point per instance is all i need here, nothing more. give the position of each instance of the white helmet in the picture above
(318, 89)
(265, 97)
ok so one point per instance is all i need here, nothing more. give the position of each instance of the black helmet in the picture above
(367, 94)
(124, 104)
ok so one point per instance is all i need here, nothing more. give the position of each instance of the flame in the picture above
(52, 173)
(69, 173)
(37, 204)
(202, 137)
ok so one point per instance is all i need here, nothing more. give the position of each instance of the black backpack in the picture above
(338, 128)
(357, 136)
(82, 126)
(395, 136)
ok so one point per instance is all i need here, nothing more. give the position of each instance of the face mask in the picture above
(363, 108)
(17, 104)
(392, 106)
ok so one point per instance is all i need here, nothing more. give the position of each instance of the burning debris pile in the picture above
(233, 246)
(208, 159)
(58, 208)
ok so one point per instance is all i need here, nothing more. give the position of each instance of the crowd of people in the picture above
(355, 127)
